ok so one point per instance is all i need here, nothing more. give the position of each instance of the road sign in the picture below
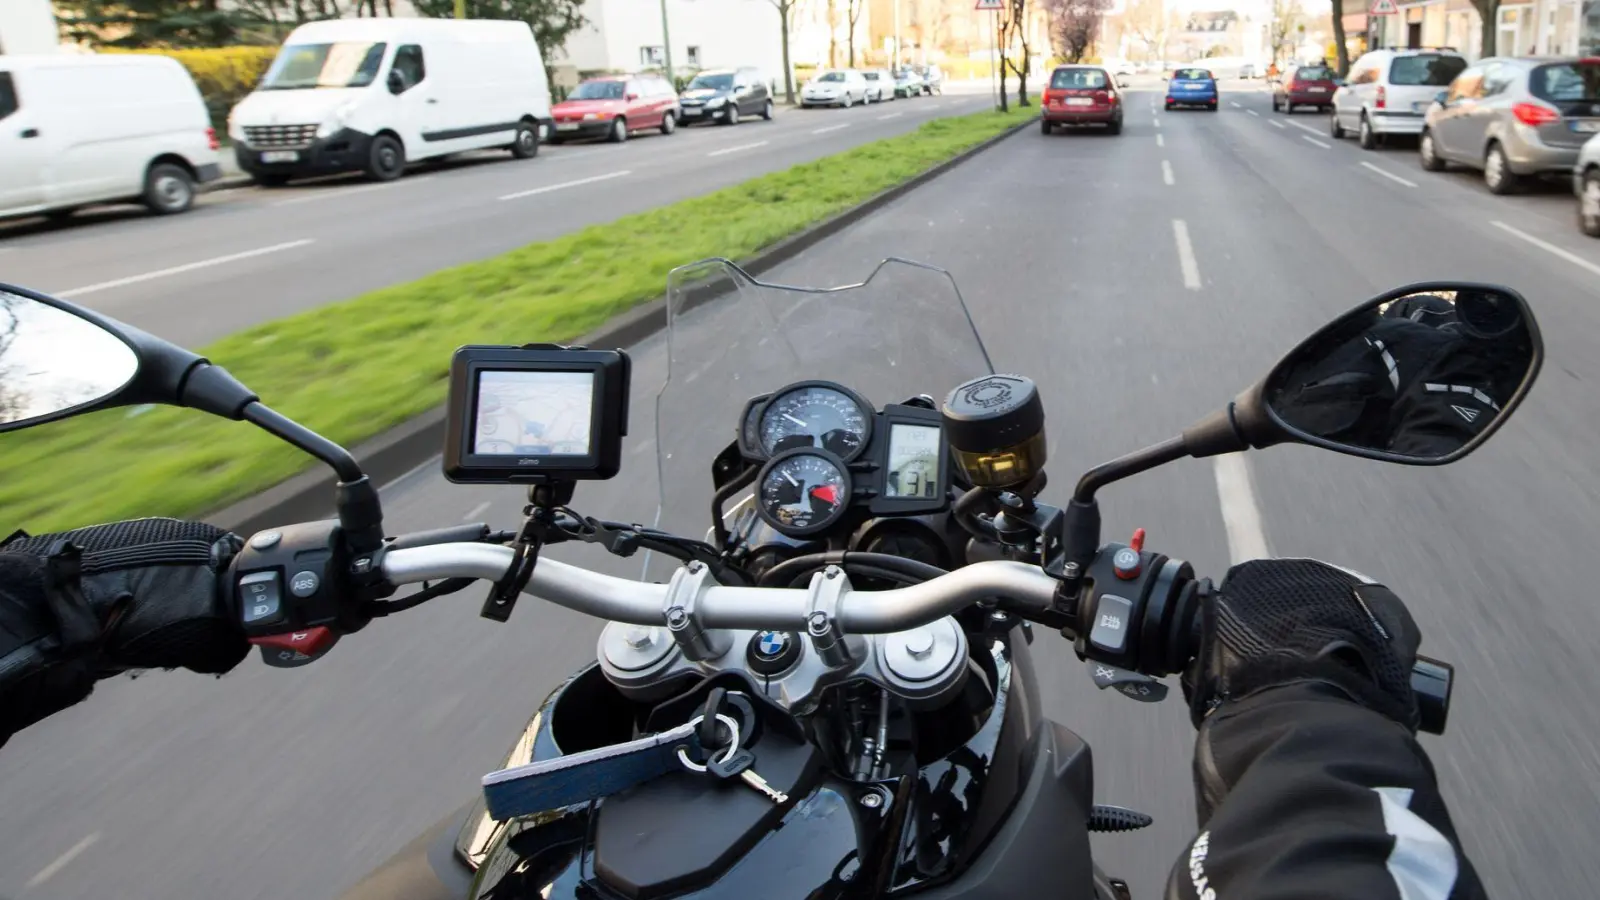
(1382, 8)
(990, 4)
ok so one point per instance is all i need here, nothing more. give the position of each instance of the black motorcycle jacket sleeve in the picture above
(1304, 793)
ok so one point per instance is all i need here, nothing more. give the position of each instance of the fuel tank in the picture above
(988, 818)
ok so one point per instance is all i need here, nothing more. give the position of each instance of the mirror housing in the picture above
(397, 82)
(630, 96)
(1442, 98)
(1422, 375)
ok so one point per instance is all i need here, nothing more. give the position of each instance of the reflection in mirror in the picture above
(52, 361)
(1419, 377)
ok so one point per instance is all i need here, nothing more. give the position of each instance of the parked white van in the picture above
(371, 95)
(82, 130)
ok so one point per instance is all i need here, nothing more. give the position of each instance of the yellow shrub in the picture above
(223, 74)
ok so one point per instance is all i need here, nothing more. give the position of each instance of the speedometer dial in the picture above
(815, 415)
(803, 492)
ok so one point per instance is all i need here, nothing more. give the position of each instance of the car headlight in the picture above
(715, 102)
(337, 120)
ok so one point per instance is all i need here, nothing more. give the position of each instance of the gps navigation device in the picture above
(535, 414)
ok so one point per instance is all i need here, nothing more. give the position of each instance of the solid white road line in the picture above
(1389, 175)
(727, 150)
(1256, 114)
(1570, 257)
(1311, 140)
(1307, 128)
(566, 184)
(1166, 172)
(830, 128)
(1186, 260)
(1161, 140)
(890, 116)
(1277, 124)
(1240, 515)
(178, 270)
(476, 511)
(49, 872)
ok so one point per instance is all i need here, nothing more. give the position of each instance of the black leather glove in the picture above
(1278, 621)
(86, 604)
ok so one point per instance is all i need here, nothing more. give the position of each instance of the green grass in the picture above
(353, 369)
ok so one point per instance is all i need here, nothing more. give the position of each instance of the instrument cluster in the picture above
(824, 450)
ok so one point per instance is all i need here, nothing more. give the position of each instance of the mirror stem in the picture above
(1124, 466)
(279, 425)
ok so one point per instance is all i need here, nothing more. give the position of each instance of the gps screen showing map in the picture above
(523, 413)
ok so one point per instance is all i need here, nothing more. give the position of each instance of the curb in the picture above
(404, 448)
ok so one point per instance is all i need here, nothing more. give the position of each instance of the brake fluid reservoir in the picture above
(995, 426)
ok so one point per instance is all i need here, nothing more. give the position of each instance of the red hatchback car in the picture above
(1081, 95)
(614, 107)
(1305, 86)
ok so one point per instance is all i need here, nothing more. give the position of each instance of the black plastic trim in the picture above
(451, 134)
(425, 869)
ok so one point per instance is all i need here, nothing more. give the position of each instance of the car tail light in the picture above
(211, 138)
(1383, 98)
(1534, 114)
(1101, 97)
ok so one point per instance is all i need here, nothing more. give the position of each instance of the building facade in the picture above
(1522, 27)
(28, 26)
(626, 35)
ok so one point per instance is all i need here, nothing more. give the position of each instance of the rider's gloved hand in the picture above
(86, 604)
(1278, 621)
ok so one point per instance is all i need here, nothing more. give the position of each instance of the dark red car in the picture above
(615, 106)
(1305, 86)
(1081, 95)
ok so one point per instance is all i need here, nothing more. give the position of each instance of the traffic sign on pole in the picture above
(1382, 8)
(990, 4)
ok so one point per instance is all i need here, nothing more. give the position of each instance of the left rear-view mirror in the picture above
(54, 363)
(1421, 376)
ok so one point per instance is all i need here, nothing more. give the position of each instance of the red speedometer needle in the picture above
(826, 493)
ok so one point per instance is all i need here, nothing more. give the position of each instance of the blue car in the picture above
(1192, 87)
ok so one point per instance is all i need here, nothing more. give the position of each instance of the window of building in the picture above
(694, 55)
(652, 56)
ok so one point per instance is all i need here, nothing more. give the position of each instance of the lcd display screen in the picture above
(913, 461)
(532, 413)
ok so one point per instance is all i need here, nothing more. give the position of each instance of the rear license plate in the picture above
(1419, 106)
(1080, 101)
(1317, 90)
(280, 156)
(567, 126)
(1586, 126)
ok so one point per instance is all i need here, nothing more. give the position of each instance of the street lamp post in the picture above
(666, 45)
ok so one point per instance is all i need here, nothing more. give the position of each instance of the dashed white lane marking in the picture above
(1186, 260)
(727, 150)
(1253, 113)
(1277, 124)
(50, 871)
(1166, 173)
(178, 270)
(1550, 248)
(1240, 515)
(1311, 140)
(1306, 128)
(1389, 175)
(566, 184)
(1161, 140)
(830, 128)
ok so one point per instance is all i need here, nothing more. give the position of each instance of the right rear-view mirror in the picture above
(397, 81)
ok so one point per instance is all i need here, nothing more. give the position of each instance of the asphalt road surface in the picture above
(275, 784)
(253, 254)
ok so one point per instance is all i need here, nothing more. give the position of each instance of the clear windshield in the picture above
(720, 82)
(345, 64)
(901, 332)
(597, 90)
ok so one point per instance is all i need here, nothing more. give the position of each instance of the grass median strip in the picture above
(354, 369)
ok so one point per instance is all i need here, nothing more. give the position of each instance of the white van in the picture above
(371, 95)
(81, 130)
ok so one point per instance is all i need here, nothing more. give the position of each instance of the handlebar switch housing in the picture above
(288, 589)
(1127, 610)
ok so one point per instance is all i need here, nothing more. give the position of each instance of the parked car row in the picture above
(847, 87)
(616, 106)
(1512, 118)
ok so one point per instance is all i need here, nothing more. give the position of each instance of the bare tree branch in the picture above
(1074, 25)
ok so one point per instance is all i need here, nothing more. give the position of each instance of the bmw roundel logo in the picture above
(771, 644)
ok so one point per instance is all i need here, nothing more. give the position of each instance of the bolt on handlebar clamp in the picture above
(828, 588)
(684, 618)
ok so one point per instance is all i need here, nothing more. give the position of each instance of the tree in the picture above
(1489, 17)
(1150, 22)
(852, 12)
(1074, 25)
(1013, 26)
(551, 20)
(140, 24)
(1287, 17)
(786, 9)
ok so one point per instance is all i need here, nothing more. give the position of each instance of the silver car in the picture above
(1586, 182)
(1514, 118)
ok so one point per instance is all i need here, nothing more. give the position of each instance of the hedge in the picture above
(223, 74)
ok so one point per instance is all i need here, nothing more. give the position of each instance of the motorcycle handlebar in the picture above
(1018, 587)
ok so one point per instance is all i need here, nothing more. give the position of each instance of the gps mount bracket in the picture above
(539, 527)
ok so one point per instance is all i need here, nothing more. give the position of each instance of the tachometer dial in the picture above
(817, 416)
(803, 492)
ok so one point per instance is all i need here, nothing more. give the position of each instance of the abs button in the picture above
(773, 652)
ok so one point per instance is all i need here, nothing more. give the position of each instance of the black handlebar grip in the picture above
(454, 534)
(1431, 681)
